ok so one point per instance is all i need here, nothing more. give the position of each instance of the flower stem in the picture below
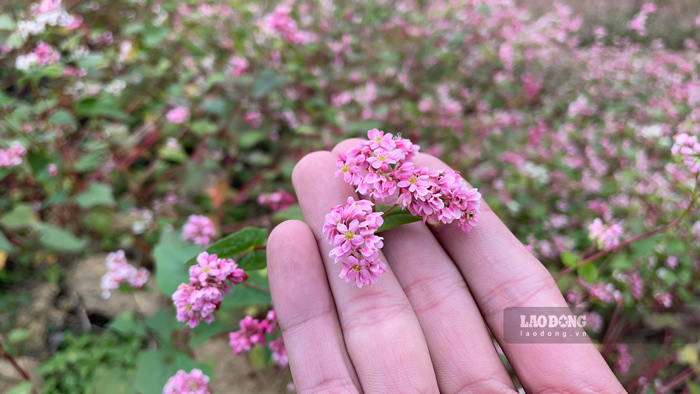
(648, 234)
(14, 364)
(390, 209)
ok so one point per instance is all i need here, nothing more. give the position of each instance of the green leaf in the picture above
(89, 162)
(395, 218)
(266, 83)
(162, 323)
(204, 127)
(171, 254)
(242, 296)
(569, 259)
(62, 118)
(588, 272)
(6, 22)
(37, 162)
(97, 194)
(254, 260)
(126, 325)
(103, 106)
(21, 215)
(155, 367)
(59, 239)
(293, 212)
(237, 243)
(203, 332)
(108, 380)
(5, 244)
(22, 388)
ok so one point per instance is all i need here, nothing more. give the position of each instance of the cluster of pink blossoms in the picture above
(209, 283)
(350, 228)
(605, 236)
(199, 229)
(182, 382)
(12, 156)
(277, 201)
(120, 271)
(254, 331)
(380, 168)
(178, 115)
(688, 148)
(639, 22)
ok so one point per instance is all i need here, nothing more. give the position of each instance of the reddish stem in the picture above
(14, 364)
(677, 380)
(627, 242)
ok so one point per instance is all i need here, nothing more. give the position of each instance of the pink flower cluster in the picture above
(120, 271)
(209, 283)
(277, 201)
(280, 22)
(624, 359)
(381, 167)
(350, 229)
(12, 156)
(239, 65)
(253, 331)
(198, 229)
(194, 382)
(178, 115)
(688, 148)
(605, 236)
(639, 22)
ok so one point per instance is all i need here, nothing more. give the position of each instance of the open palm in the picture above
(424, 327)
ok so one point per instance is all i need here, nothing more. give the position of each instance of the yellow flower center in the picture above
(345, 169)
(349, 235)
(413, 179)
(381, 157)
(206, 270)
(356, 267)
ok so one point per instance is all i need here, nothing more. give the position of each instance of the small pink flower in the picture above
(605, 236)
(194, 382)
(199, 229)
(239, 65)
(52, 170)
(12, 156)
(624, 359)
(251, 333)
(277, 201)
(253, 118)
(279, 352)
(664, 299)
(697, 21)
(46, 54)
(178, 115)
(120, 271)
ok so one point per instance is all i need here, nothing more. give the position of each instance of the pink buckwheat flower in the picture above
(52, 170)
(46, 54)
(688, 148)
(194, 382)
(178, 115)
(239, 65)
(120, 271)
(199, 229)
(252, 332)
(664, 299)
(12, 156)
(605, 236)
(351, 228)
(277, 201)
(210, 280)
(279, 352)
(624, 359)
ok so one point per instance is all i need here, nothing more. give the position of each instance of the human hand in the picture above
(424, 326)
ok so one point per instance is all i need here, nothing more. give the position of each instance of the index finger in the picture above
(502, 273)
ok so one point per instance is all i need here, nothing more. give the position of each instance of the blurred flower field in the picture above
(156, 128)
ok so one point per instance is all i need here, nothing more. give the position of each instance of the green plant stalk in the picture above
(627, 242)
